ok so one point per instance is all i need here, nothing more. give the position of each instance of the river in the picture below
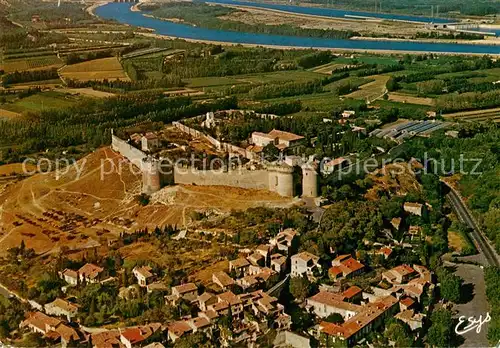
(121, 12)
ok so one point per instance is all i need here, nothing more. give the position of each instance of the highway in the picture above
(466, 217)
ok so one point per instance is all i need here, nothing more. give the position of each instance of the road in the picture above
(466, 217)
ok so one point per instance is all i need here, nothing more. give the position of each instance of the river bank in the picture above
(165, 29)
(91, 9)
(283, 47)
(492, 41)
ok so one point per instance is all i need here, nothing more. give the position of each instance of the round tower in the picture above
(281, 179)
(309, 181)
(150, 175)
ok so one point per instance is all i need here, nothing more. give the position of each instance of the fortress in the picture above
(282, 178)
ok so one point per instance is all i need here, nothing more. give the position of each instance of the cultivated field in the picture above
(371, 90)
(47, 211)
(476, 115)
(272, 77)
(327, 69)
(99, 69)
(404, 98)
(87, 92)
(27, 64)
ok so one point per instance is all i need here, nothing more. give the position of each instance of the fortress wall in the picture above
(133, 154)
(247, 179)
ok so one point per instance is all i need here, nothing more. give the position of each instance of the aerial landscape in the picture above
(265, 173)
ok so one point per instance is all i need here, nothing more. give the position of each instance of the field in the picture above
(272, 77)
(322, 102)
(476, 115)
(48, 211)
(456, 242)
(40, 102)
(404, 98)
(327, 69)
(99, 69)
(36, 63)
(87, 92)
(371, 90)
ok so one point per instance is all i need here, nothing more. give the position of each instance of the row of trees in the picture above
(28, 76)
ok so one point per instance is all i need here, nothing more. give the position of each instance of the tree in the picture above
(300, 287)
(335, 318)
(450, 285)
(441, 331)
(271, 152)
(450, 288)
(398, 332)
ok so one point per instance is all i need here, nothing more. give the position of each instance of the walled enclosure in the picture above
(276, 178)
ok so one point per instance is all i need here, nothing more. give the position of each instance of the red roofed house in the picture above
(40, 323)
(326, 303)
(69, 276)
(406, 303)
(206, 299)
(399, 275)
(240, 266)
(385, 251)
(143, 275)
(345, 266)
(282, 140)
(136, 336)
(304, 263)
(178, 329)
(222, 279)
(353, 294)
(50, 327)
(91, 273)
(150, 142)
(367, 319)
(188, 291)
(284, 240)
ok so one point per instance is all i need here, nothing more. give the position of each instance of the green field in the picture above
(31, 63)
(324, 102)
(272, 77)
(41, 102)
(367, 60)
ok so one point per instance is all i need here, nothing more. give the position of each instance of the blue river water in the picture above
(330, 12)
(121, 12)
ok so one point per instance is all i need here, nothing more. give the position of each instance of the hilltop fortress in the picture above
(289, 177)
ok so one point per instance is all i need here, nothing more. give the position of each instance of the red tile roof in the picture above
(90, 270)
(351, 292)
(407, 301)
(184, 288)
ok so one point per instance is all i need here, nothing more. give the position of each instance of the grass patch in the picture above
(320, 102)
(42, 101)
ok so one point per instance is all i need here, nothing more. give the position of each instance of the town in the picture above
(249, 174)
